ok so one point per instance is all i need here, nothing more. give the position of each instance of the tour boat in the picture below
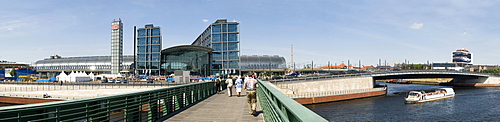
(421, 96)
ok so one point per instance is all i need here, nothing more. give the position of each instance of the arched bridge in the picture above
(458, 77)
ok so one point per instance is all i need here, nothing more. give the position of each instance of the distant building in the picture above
(262, 62)
(148, 47)
(462, 56)
(51, 67)
(223, 37)
(116, 46)
(447, 66)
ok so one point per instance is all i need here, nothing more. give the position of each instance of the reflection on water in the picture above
(471, 104)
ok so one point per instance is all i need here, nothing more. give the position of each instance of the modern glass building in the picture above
(223, 37)
(196, 59)
(51, 67)
(116, 46)
(148, 47)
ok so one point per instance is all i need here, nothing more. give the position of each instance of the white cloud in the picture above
(15, 24)
(417, 25)
(205, 20)
(465, 33)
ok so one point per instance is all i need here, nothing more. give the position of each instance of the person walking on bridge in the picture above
(239, 85)
(251, 85)
(217, 84)
(229, 83)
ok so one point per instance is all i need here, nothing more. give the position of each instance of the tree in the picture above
(495, 71)
(12, 72)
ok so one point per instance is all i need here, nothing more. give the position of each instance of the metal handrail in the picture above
(148, 105)
(278, 107)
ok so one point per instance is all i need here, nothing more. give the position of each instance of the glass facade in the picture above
(116, 46)
(148, 49)
(196, 59)
(223, 37)
(262, 62)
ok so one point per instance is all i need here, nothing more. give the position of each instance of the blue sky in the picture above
(320, 30)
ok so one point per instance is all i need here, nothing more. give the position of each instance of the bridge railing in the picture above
(278, 107)
(141, 106)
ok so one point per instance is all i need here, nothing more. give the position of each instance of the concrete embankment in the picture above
(328, 90)
(323, 99)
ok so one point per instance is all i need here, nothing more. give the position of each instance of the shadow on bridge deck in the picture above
(221, 108)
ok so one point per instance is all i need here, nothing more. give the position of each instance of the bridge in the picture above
(157, 105)
(459, 78)
(163, 103)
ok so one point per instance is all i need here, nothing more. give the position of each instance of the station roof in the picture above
(188, 47)
(85, 59)
(262, 59)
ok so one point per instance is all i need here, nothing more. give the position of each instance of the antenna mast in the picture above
(291, 53)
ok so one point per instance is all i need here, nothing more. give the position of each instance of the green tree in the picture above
(417, 66)
(495, 71)
(12, 72)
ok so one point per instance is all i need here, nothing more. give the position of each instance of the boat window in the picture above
(413, 94)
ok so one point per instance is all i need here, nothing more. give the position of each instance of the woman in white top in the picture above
(229, 83)
(239, 85)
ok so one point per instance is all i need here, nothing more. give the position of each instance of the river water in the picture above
(469, 104)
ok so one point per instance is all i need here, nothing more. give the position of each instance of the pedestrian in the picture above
(251, 85)
(229, 83)
(239, 85)
(217, 84)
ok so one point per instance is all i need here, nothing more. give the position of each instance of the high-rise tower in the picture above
(116, 46)
(148, 47)
(462, 56)
(223, 37)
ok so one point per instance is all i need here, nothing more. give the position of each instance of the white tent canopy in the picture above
(78, 76)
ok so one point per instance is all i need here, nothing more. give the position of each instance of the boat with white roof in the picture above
(421, 96)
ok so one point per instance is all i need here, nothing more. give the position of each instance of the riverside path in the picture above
(220, 108)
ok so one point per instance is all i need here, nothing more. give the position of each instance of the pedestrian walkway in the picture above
(220, 108)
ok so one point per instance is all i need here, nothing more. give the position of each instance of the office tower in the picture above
(116, 46)
(148, 47)
(223, 37)
(462, 56)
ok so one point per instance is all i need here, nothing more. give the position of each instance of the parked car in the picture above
(276, 77)
(292, 75)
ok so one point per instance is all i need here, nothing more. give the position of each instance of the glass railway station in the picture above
(196, 59)
(216, 51)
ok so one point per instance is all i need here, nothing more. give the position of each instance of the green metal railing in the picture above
(142, 106)
(278, 107)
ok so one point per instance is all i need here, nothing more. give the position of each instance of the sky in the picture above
(321, 31)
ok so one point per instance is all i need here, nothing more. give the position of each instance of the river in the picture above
(469, 104)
